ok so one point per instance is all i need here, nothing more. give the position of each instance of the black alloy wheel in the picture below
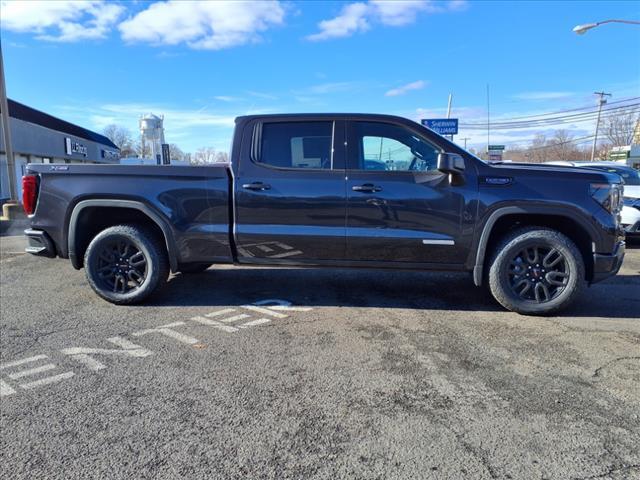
(538, 273)
(125, 264)
(121, 266)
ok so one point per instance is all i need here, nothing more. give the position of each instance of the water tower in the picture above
(152, 132)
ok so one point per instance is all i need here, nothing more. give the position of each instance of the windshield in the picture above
(629, 175)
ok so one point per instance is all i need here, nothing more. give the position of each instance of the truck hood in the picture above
(553, 172)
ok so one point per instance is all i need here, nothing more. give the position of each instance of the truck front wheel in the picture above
(536, 271)
(125, 264)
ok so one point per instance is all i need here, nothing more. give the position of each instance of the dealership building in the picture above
(38, 137)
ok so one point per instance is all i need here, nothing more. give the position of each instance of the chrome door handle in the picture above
(366, 188)
(258, 186)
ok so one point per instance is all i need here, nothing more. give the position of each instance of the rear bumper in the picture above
(40, 243)
(607, 265)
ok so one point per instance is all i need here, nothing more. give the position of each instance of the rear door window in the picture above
(297, 145)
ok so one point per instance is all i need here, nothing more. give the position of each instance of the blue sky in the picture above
(202, 64)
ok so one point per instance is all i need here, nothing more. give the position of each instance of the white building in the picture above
(37, 137)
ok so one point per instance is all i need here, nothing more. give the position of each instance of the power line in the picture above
(571, 121)
(632, 107)
(594, 108)
(572, 140)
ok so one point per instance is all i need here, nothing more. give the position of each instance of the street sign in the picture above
(619, 155)
(166, 156)
(443, 126)
(495, 157)
(496, 147)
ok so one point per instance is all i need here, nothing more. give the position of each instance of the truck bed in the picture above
(192, 202)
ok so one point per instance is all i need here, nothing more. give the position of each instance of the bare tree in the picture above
(122, 138)
(619, 129)
(538, 151)
(175, 152)
(222, 157)
(561, 145)
(204, 155)
(140, 151)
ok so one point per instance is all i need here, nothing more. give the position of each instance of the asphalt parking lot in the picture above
(258, 373)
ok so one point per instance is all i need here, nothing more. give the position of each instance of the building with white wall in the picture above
(38, 137)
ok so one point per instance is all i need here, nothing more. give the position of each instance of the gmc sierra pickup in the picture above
(333, 190)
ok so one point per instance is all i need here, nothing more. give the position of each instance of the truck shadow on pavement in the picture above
(218, 286)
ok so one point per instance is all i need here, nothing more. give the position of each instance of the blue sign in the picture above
(443, 126)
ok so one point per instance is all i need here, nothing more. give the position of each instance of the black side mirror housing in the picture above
(450, 163)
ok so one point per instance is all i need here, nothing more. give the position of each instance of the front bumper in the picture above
(631, 229)
(607, 265)
(40, 243)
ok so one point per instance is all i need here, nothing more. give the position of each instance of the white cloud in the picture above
(542, 95)
(358, 17)
(179, 118)
(418, 85)
(331, 87)
(61, 21)
(210, 25)
(227, 98)
(352, 19)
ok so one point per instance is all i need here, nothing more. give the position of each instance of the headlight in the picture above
(608, 195)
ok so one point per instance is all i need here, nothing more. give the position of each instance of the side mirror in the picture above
(450, 163)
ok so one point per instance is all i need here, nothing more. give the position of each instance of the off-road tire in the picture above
(506, 260)
(104, 247)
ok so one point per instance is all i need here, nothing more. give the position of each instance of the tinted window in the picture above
(297, 144)
(383, 146)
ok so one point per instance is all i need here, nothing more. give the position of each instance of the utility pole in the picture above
(465, 141)
(488, 121)
(601, 101)
(6, 132)
(449, 113)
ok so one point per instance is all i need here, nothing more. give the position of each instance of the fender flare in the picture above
(130, 204)
(555, 210)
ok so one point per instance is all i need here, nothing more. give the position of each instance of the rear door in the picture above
(290, 191)
(400, 208)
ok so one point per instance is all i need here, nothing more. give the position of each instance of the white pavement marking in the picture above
(253, 323)
(286, 254)
(48, 380)
(264, 311)
(220, 312)
(15, 363)
(83, 354)
(166, 331)
(281, 305)
(5, 389)
(244, 253)
(284, 246)
(264, 248)
(215, 324)
(235, 318)
(32, 371)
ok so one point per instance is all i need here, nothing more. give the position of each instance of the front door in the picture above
(400, 208)
(290, 192)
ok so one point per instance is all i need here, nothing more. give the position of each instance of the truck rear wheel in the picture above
(536, 271)
(125, 264)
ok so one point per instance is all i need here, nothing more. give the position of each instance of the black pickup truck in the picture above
(333, 190)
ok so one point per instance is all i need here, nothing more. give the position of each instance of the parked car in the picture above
(300, 191)
(630, 213)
